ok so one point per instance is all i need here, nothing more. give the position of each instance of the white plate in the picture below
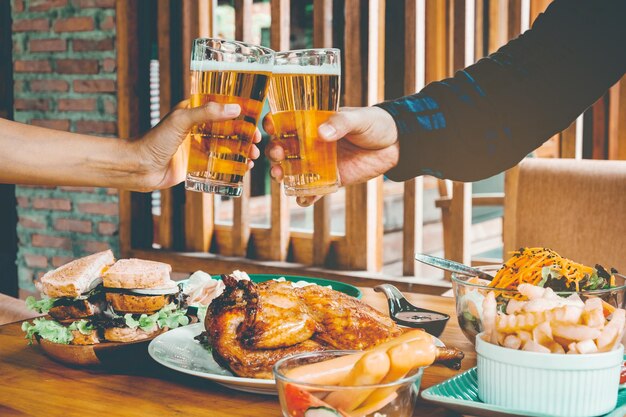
(177, 350)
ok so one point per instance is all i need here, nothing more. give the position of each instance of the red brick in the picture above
(32, 66)
(31, 104)
(31, 25)
(35, 261)
(31, 223)
(94, 86)
(58, 261)
(23, 202)
(18, 6)
(74, 24)
(18, 86)
(17, 47)
(107, 228)
(72, 225)
(52, 204)
(109, 65)
(79, 45)
(107, 209)
(47, 241)
(57, 124)
(94, 126)
(110, 107)
(77, 104)
(40, 274)
(43, 5)
(49, 85)
(112, 191)
(47, 45)
(100, 4)
(108, 23)
(93, 246)
(77, 66)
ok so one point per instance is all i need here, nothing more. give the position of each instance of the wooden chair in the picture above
(576, 207)
(13, 309)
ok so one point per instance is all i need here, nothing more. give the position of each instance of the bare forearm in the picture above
(34, 155)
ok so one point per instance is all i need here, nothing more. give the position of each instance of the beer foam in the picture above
(324, 69)
(229, 66)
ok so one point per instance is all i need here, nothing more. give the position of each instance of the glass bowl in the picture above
(469, 298)
(304, 399)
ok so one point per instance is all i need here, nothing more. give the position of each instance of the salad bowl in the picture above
(469, 294)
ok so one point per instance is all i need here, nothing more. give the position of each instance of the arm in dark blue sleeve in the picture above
(490, 115)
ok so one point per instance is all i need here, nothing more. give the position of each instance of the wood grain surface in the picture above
(33, 385)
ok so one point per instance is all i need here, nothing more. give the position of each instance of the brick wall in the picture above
(64, 78)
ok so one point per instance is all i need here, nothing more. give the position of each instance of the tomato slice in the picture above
(298, 401)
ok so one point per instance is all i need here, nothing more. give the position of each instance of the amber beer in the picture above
(219, 151)
(304, 93)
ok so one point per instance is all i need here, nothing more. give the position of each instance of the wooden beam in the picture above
(413, 212)
(498, 24)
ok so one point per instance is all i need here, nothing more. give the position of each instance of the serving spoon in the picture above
(448, 265)
(408, 315)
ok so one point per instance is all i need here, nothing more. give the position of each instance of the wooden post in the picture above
(617, 121)
(413, 215)
(241, 213)
(132, 98)
(279, 218)
(322, 38)
(198, 206)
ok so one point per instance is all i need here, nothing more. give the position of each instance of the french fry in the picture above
(333, 371)
(369, 370)
(574, 332)
(404, 358)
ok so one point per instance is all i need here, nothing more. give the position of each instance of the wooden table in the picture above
(33, 385)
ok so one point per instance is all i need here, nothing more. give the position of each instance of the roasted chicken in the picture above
(251, 326)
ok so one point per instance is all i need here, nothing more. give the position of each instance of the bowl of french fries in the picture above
(552, 355)
(541, 268)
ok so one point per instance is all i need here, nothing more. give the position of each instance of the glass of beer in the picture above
(304, 93)
(225, 72)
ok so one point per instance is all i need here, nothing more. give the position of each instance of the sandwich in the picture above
(143, 300)
(137, 301)
(72, 297)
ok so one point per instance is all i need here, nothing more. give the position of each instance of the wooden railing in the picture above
(440, 36)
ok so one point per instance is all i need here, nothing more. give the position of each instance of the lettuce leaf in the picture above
(169, 316)
(41, 306)
(82, 326)
(49, 330)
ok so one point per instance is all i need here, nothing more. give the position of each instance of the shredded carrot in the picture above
(525, 266)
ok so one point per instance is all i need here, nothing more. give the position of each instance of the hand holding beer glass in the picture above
(226, 72)
(304, 93)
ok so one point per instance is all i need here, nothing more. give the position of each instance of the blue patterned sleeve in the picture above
(490, 115)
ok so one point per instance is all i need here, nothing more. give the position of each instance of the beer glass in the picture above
(304, 93)
(225, 72)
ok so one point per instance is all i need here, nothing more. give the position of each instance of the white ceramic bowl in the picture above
(547, 383)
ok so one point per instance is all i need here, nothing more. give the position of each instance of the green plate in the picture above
(348, 289)
(351, 290)
(460, 393)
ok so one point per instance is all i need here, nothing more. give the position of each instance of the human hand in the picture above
(367, 147)
(162, 161)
